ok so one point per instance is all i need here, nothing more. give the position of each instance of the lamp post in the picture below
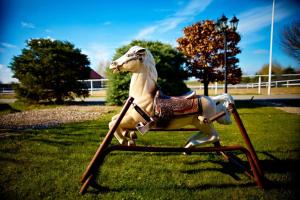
(223, 28)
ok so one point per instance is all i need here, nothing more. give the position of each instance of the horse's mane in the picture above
(150, 64)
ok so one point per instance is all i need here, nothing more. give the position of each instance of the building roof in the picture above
(95, 75)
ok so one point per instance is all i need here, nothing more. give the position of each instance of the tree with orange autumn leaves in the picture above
(203, 47)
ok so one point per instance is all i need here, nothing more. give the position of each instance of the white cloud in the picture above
(260, 17)
(8, 45)
(27, 25)
(6, 74)
(146, 31)
(98, 53)
(171, 23)
(50, 38)
(193, 8)
(107, 23)
(48, 31)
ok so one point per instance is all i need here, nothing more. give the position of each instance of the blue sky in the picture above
(99, 27)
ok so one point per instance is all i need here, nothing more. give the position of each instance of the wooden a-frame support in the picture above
(88, 177)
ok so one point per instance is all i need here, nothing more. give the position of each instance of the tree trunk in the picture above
(205, 83)
(205, 88)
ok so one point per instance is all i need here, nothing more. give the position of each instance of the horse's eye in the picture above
(129, 55)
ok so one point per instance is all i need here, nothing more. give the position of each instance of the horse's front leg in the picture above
(123, 136)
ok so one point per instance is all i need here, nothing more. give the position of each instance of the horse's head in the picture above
(134, 60)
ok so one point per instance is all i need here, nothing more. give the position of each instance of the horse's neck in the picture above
(141, 86)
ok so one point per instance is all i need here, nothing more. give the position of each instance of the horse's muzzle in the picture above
(114, 67)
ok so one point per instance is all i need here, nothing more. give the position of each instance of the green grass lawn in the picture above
(47, 164)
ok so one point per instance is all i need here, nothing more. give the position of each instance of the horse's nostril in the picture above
(114, 63)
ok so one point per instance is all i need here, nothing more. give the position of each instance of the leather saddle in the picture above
(169, 107)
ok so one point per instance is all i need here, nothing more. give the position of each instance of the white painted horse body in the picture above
(139, 61)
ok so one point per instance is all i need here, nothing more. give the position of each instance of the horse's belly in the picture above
(180, 122)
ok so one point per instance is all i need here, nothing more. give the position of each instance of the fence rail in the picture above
(101, 84)
(259, 85)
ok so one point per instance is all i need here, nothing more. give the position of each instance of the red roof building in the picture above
(95, 75)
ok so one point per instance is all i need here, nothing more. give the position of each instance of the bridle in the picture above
(134, 56)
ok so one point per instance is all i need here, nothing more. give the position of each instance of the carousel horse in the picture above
(182, 111)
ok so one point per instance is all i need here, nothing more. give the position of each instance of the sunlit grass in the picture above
(47, 164)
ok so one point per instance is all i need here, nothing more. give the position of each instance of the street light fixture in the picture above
(234, 23)
(223, 28)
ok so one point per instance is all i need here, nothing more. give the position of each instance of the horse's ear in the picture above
(141, 51)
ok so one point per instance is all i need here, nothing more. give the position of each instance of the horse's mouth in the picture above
(115, 69)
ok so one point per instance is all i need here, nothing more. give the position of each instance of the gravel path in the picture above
(45, 118)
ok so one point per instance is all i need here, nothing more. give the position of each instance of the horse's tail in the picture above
(222, 102)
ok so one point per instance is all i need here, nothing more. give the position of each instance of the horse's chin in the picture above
(114, 70)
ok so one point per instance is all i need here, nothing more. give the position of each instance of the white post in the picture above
(216, 88)
(287, 83)
(271, 47)
(259, 84)
(91, 86)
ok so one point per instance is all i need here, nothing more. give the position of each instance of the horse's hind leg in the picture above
(207, 134)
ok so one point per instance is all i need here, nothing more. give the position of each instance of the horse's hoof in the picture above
(131, 143)
(132, 135)
(187, 153)
(124, 143)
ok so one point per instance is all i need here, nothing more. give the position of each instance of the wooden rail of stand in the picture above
(88, 175)
(104, 149)
(223, 149)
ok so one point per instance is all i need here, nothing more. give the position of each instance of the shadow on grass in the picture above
(4, 107)
(100, 189)
(273, 165)
(257, 103)
(74, 103)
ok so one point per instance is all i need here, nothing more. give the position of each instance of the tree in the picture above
(169, 64)
(203, 46)
(290, 40)
(50, 70)
(289, 70)
(276, 69)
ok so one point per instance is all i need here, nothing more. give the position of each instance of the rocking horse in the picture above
(182, 111)
(148, 109)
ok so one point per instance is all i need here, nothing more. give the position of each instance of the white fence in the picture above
(259, 84)
(91, 84)
(101, 84)
(96, 84)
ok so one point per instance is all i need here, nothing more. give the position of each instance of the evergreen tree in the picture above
(50, 70)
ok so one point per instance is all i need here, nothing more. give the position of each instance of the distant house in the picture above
(95, 75)
(95, 81)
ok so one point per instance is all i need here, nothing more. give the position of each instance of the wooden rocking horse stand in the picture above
(88, 177)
